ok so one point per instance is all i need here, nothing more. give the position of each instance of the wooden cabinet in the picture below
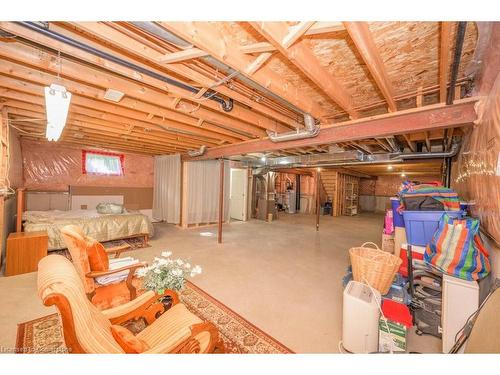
(24, 251)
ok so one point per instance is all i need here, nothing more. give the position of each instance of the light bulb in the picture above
(57, 101)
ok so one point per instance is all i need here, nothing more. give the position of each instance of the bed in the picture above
(102, 227)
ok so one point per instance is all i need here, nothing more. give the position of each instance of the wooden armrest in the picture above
(131, 268)
(147, 306)
(117, 250)
(192, 345)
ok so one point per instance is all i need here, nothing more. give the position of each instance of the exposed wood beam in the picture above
(86, 122)
(427, 142)
(411, 144)
(237, 112)
(316, 29)
(107, 33)
(295, 32)
(325, 27)
(26, 55)
(25, 87)
(365, 44)
(187, 54)
(444, 59)
(208, 38)
(302, 57)
(258, 63)
(41, 78)
(259, 47)
(439, 116)
(36, 104)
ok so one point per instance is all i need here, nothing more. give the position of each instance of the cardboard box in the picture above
(396, 336)
(388, 243)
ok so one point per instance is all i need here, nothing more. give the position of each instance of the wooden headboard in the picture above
(134, 198)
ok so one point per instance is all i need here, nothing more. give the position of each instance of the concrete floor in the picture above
(283, 276)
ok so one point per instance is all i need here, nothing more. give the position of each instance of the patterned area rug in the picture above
(44, 335)
(134, 243)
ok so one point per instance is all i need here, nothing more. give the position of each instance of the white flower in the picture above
(166, 254)
(195, 271)
(162, 262)
(187, 265)
(157, 270)
(179, 262)
(177, 272)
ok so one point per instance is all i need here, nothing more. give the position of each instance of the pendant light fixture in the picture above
(57, 101)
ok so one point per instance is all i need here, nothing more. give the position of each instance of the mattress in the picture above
(101, 227)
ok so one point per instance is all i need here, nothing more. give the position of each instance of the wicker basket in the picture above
(374, 266)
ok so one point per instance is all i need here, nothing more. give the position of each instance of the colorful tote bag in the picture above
(424, 194)
(457, 249)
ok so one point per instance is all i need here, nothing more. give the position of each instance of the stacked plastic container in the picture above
(421, 225)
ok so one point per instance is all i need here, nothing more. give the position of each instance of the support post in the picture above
(221, 201)
(317, 199)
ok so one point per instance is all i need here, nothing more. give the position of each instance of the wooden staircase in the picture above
(329, 180)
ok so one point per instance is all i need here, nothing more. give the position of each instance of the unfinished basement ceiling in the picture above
(155, 117)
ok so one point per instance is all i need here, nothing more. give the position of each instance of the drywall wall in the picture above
(52, 167)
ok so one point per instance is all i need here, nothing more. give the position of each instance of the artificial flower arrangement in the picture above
(167, 273)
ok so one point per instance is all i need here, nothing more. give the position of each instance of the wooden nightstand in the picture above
(24, 251)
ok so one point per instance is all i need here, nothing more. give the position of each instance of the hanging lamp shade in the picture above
(56, 106)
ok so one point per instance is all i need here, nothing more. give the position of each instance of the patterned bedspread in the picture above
(95, 225)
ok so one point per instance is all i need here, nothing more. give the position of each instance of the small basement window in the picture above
(102, 163)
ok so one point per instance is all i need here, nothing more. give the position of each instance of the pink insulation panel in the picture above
(476, 174)
(53, 167)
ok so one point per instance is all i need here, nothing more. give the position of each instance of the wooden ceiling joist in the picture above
(85, 123)
(128, 107)
(365, 44)
(36, 104)
(206, 37)
(237, 112)
(12, 87)
(105, 32)
(332, 70)
(71, 70)
(301, 56)
(187, 54)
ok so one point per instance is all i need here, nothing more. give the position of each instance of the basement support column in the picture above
(317, 199)
(221, 200)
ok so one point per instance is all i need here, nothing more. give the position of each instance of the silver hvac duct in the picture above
(199, 152)
(310, 130)
(347, 158)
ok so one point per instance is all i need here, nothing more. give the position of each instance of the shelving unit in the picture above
(351, 195)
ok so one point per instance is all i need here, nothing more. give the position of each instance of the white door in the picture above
(238, 194)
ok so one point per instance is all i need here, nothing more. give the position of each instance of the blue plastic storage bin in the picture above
(397, 218)
(421, 225)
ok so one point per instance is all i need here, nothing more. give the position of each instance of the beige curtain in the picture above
(167, 188)
(203, 178)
